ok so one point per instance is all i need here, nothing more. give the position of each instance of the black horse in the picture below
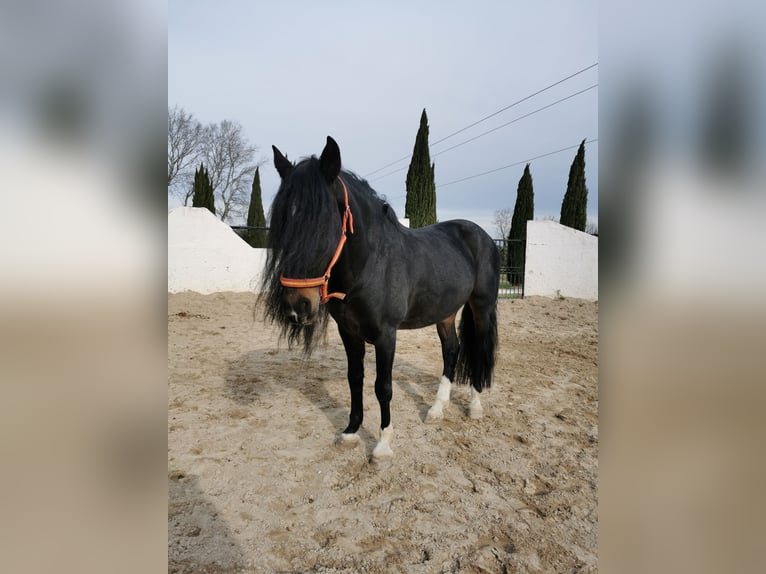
(337, 248)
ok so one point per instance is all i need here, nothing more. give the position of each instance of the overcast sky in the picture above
(294, 72)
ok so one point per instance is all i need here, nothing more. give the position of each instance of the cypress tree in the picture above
(727, 134)
(523, 211)
(574, 206)
(255, 217)
(210, 195)
(197, 191)
(202, 195)
(420, 206)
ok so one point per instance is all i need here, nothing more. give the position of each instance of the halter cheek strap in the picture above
(322, 282)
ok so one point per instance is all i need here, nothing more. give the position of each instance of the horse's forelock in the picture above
(304, 224)
(304, 228)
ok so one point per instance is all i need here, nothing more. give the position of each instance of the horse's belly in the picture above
(418, 323)
(431, 312)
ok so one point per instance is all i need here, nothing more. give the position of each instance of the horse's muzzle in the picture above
(298, 309)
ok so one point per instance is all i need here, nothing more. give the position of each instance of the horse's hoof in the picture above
(475, 412)
(382, 453)
(434, 414)
(382, 457)
(348, 441)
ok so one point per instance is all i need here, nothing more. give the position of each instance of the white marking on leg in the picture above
(348, 440)
(444, 390)
(383, 450)
(475, 410)
(442, 400)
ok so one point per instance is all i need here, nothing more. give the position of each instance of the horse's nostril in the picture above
(303, 307)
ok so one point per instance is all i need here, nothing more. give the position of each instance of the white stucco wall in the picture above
(206, 256)
(560, 260)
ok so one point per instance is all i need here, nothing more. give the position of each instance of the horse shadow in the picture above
(418, 382)
(254, 374)
(198, 538)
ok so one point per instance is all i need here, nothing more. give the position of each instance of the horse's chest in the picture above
(360, 324)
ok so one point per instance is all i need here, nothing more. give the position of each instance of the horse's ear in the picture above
(329, 162)
(282, 164)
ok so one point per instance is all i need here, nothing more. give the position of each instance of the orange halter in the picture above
(323, 281)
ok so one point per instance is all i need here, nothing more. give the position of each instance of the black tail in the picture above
(478, 341)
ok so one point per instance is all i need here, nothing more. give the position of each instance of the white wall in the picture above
(206, 256)
(560, 260)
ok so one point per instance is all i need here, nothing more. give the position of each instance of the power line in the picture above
(495, 128)
(390, 173)
(493, 114)
(515, 120)
(514, 164)
(515, 103)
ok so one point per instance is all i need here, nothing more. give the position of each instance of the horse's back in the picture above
(471, 234)
(447, 263)
(466, 238)
(485, 254)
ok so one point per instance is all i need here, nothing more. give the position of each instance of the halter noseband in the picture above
(323, 281)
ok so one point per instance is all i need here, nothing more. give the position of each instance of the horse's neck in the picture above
(370, 227)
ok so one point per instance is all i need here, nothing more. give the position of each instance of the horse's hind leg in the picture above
(475, 410)
(450, 346)
(478, 343)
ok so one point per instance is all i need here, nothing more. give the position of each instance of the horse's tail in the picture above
(478, 342)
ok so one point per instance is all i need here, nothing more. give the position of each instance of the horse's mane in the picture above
(362, 192)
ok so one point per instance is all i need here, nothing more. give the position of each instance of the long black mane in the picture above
(304, 230)
(366, 199)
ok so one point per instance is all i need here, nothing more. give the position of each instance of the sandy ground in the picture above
(256, 483)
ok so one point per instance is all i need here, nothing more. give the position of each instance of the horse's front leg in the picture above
(385, 347)
(354, 346)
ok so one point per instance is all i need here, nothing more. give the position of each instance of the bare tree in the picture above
(502, 221)
(184, 149)
(230, 161)
(228, 157)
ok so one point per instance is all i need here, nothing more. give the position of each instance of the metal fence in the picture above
(245, 231)
(511, 268)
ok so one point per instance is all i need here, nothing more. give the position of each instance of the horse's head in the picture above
(305, 229)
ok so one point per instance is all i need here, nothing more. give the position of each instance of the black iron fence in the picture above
(255, 236)
(511, 267)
